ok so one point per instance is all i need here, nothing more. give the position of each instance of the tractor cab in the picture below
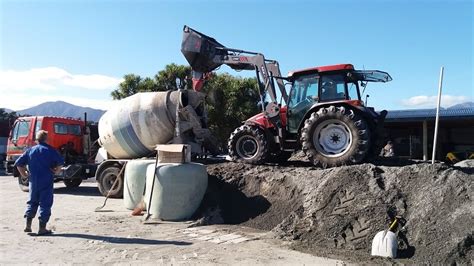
(324, 85)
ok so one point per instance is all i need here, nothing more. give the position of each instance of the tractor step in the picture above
(289, 145)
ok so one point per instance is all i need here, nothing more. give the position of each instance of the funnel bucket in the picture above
(200, 50)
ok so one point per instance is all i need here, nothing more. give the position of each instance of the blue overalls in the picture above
(41, 159)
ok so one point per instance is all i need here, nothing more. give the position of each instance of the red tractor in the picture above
(323, 114)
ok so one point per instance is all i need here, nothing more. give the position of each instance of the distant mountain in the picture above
(63, 109)
(463, 105)
(7, 110)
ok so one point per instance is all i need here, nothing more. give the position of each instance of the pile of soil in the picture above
(336, 212)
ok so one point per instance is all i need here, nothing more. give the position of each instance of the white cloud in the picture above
(93, 81)
(424, 101)
(52, 78)
(20, 101)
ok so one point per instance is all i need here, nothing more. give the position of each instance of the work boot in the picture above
(28, 225)
(42, 229)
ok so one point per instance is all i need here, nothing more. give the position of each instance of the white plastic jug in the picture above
(385, 244)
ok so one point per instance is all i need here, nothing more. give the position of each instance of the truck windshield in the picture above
(21, 129)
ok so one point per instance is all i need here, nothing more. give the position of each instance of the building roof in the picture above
(430, 114)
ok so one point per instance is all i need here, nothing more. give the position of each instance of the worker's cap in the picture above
(41, 135)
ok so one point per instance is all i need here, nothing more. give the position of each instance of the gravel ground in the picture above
(265, 214)
(82, 236)
(336, 212)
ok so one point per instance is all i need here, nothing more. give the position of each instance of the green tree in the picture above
(162, 81)
(230, 101)
(166, 78)
(8, 117)
(130, 85)
(4, 115)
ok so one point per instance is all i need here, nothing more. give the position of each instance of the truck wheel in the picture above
(335, 136)
(247, 144)
(72, 183)
(106, 180)
(15, 172)
(24, 183)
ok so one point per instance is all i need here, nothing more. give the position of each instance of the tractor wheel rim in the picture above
(247, 147)
(332, 138)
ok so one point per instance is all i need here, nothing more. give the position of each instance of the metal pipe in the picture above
(440, 87)
(425, 140)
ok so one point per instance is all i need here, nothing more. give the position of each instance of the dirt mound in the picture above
(336, 212)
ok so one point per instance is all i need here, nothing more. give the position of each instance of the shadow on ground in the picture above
(122, 240)
(79, 191)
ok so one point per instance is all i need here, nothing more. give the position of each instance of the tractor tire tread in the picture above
(359, 130)
(258, 134)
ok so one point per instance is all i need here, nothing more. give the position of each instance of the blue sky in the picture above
(78, 51)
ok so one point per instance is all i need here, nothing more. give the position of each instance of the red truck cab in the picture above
(64, 134)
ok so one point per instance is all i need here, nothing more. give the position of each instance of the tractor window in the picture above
(74, 130)
(60, 128)
(333, 88)
(353, 91)
(304, 89)
(303, 94)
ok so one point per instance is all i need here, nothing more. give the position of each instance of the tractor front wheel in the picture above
(335, 136)
(247, 144)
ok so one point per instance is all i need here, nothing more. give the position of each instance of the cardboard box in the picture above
(174, 153)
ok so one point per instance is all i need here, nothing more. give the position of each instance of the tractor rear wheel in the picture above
(107, 179)
(247, 144)
(335, 136)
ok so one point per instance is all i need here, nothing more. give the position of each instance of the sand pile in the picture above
(336, 212)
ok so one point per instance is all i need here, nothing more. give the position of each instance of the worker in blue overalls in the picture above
(43, 162)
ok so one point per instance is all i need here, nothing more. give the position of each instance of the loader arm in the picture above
(205, 54)
(266, 70)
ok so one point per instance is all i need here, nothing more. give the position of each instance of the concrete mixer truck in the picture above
(135, 125)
